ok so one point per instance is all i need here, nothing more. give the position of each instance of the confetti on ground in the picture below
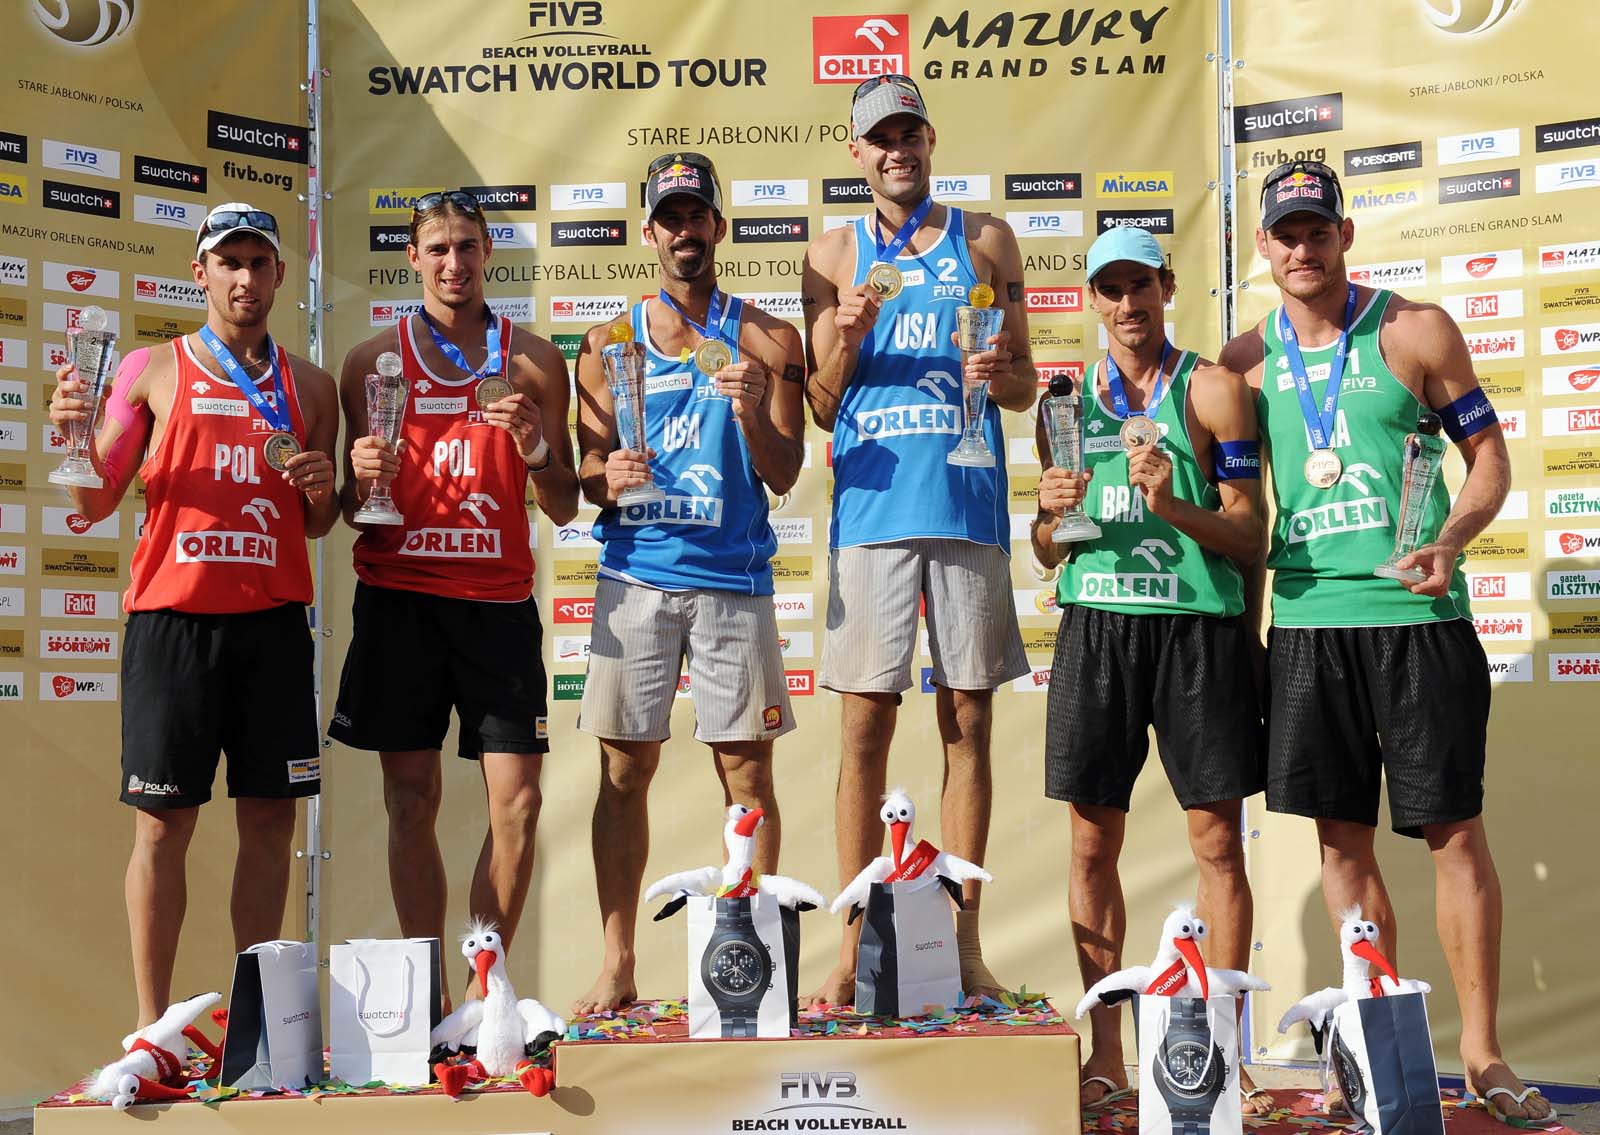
(1296, 1110)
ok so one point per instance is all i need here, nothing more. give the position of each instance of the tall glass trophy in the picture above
(624, 362)
(976, 324)
(386, 412)
(93, 352)
(1425, 451)
(1066, 451)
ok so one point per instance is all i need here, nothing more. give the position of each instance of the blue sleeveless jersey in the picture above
(711, 532)
(901, 413)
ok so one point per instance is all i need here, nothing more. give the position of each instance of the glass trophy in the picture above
(386, 412)
(976, 323)
(1424, 457)
(1066, 451)
(625, 364)
(92, 350)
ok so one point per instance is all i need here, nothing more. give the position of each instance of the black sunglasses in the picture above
(460, 198)
(225, 219)
(880, 80)
(686, 157)
(1316, 169)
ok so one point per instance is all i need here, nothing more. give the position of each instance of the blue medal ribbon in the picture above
(888, 252)
(449, 350)
(713, 317)
(275, 411)
(1119, 394)
(1318, 424)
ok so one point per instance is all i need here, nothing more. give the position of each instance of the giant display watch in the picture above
(736, 968)
(1190, 1068)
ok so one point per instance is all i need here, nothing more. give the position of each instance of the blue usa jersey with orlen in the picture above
(901, 412)
(711, 531)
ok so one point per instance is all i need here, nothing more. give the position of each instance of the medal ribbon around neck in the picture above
(888, 252)
(712, 328)
(1119, 393)
(274, 410)
(1318, 425)
(449, 350)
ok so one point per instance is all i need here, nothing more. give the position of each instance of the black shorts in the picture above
(414, 656)
(1351, 706)
(1116, 675)
(197, 686)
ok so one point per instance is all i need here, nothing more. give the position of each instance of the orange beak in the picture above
(897, 839)
(1197, 964)
(1366, 951)
(484, 962)
(747, 824)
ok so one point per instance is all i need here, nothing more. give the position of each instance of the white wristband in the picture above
(539, 458)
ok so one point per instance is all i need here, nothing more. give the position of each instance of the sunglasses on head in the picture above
(226, 219)
(1288, 169)
(879, 80)
(460, 198)
(700, 161)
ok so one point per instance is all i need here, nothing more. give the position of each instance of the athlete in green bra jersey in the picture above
(1150, 627)
(1372, 679)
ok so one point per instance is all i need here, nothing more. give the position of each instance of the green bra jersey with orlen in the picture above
(1325, 542)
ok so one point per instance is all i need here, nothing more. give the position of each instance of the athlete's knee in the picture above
(164, 831)
(265, 824)
(412, 796)
(748, 769)
(1096, 847)
(627, 771)
(516, 808)
(1218, 852)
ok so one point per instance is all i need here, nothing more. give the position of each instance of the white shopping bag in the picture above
(383, 1002)
(1381, 1052)
(744, 959)
(274, 1034)
(1188, 1066)
(907, 962)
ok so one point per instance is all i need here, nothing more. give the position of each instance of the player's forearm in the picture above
(776, 458)
(1045, 549)
(1236, 534)
(1480, 500)
(825, 388)
(555, 488)
(1018, 389)
(321, 515)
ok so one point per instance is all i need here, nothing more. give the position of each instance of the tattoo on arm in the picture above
(1014, 292)
(794, 372)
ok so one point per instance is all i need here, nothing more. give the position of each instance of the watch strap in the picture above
(737, 1025)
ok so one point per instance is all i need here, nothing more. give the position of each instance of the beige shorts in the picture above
(641, 638)
(873, 594)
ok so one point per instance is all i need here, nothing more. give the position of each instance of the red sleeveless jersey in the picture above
(461, 488)
(224, 533)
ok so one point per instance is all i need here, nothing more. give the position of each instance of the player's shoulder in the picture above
(825, 251)
(1245, 352)
(540, 352)
(308, 373)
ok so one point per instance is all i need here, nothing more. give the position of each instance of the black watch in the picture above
(1190, 1068)
(1347, 1074)
(736, 968)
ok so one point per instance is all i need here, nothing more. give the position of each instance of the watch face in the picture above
(1186, 1065)
(1348, 1075)
(736, 968)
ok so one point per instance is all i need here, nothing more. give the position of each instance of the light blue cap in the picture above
(1124, 243)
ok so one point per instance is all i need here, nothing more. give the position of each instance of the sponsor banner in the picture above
(13, 147)
(1558, 177)
(161, 328)
(13, 603)
(1570, 338)
(1572, 543)
(848, 49)
(1510, 668)
(758, 230)
(568, 687)
(1582, 257)
(792, 529)
(1514, 423)
(569, 572)
(796, 644)
(75, 157)
(56, 603)
(783, 305)
(13, 560)
(1494, 344)
(1158, 221)
(69, 522)
(795, 191)
(13, 435)
(13, 271)
(1570, 421)
(281, 141)
(169, 174)
(801, 683)
(81, 280)
(185, 215)
(961, 188)
(1576, 584)
(1391, 274)
(13, 189)
(791, 605)
(77, 644)
(1385, 197)
(573, 609)
(1060, 223)
(1035, 681)
(11, 685)
(570, 649)
(168, 290)
(1577, 133)
(1043, 186)
(584, 234)
(1563, 503)
(1047, 300)
(1484, 305)
(1134, 183)
(1574, 624)
(1575, 667)
(786, 568)
(576, 534)
(505, 198)
(1503, 264)
(1572, 462)
(73, 563)
(603, 195)
(1034, 602)
(1480, 186)
(64, 317)
(1499, 585)
(1454, 149)
(1499, 626)
(55, 686)
(1382, 159)
(586, 309)
(1575, 298)
(1284, 118)
(86, 199)
(13, 519)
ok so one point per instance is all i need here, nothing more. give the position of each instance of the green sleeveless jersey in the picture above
(1325, 542)
(1141, 565)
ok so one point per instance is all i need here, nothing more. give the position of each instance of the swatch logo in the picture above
(257, 137)
(1315, 114)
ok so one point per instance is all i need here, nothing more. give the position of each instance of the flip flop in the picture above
(1113, 1092)
(1517, 1098)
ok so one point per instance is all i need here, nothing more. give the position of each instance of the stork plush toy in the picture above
(925, 864)
(735, 879)
(152, 1067)
(1359, 951)
(1178, 969)
(505, 1031)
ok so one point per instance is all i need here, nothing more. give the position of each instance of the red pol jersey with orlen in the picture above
(224, 532)
(461, 490)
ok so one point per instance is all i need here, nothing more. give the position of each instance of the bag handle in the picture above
(410, 969)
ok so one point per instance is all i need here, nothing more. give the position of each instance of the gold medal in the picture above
(712, 355)
(885, 279)
(490, 390)
(278, 448)
(1138, 430)
(1323, 468)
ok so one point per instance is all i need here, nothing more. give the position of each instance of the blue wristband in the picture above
(1467, 415)
(1238, 461)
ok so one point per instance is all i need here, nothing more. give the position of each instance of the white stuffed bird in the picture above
(1178, 969)
(924, 865)
(1358, 947)
(736, 878)
(151, 1068)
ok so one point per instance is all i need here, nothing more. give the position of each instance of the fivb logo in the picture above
(789, 192)
(172, 214)
(808, 1087)
(74, 157)
(1562, 176)
(961, 187)
(1457, 148)
(602, 195)
(508, 236)
(1062, 223)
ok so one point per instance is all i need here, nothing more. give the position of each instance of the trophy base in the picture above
(369, 515)
(1075, 528)
(640, 494)
(1406, 575)
(972, 456)
(79, 475)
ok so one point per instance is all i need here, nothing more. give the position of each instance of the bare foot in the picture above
(1485, 1077)
(1092, 1091)
(1255, 1103)
(837, 989)
(612, 990)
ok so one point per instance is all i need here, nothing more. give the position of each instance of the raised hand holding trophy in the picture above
(1066, 451)
(93, 352)
(976, 324)
(1424, 457)
(387, 392)
(624, 363)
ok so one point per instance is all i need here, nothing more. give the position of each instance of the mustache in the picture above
(688, 246)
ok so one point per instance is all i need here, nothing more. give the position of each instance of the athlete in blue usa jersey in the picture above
(887, 380)
(687, 577)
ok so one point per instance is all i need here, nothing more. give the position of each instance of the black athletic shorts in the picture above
(414, 656)
(197, 686)
(1351, 706)
(1116, 675)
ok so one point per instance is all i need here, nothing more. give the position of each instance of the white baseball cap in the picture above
(233, 218)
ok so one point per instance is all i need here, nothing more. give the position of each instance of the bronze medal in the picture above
(711, 356)
(490, 390)
(885, 279)
(1138, 430)
(278, 448)
(1323, 468)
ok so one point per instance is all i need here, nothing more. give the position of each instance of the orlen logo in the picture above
(1054, 299)
(802, 683)
(847, 49)
(574, 610)
(144, 289)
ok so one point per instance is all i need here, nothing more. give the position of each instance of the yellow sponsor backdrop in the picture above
(108, 160)
(1469, 144)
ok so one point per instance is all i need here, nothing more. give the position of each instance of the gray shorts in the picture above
(639, 641)
(873, 594)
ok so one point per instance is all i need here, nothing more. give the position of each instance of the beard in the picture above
(687, 260)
